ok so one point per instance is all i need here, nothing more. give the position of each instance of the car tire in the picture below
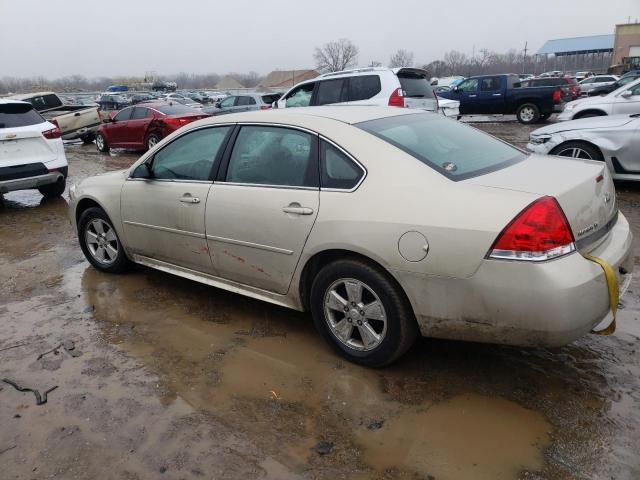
(578, 150)
(152, 140)
(88, 138)
(101, 143)
(528, 113)
(395, 326)
(110, 260)
(53, 190)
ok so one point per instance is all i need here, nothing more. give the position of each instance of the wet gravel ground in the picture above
(160, 377)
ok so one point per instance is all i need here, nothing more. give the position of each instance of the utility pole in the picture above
(524, 58)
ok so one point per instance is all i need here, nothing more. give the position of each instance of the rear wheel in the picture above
(100, 243)
(152, 140)
(361, 312)
(101, 143)
(578, 150)
(53, 190)
(528, 113)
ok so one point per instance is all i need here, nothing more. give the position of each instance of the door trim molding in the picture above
(259, 246)
(165, 229)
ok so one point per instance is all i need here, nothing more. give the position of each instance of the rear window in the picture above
(45, 102)
(174, 109)
(455, 150)
(18, 115)
(415, 85)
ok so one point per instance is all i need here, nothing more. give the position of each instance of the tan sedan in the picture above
(383, 222)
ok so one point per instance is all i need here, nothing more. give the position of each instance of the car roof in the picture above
(349, 114)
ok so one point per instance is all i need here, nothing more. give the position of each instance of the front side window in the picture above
(266, 155)
(330, 91)
(191, 156)
(470, 85)
(635, 90)
(364, 87)
(123, 115)
(228, 102)
(301, 96)
(336, 169)
(455, 150)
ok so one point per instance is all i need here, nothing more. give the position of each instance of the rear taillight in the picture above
(177, 122)
(557, 96)
(397, 98)
(265, 107)
(540, 232)
(51, 134)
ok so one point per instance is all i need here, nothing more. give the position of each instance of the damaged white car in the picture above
(613, 139)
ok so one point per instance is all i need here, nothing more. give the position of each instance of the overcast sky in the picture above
(118, 37)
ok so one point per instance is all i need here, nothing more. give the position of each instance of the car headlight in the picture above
(539, 139)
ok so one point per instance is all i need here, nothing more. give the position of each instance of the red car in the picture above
(141, 126)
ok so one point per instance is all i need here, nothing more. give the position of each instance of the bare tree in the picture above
(402, 58)
(455, 61)
(336, 55)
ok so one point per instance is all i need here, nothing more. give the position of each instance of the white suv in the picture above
(31, 151)
(395, 87)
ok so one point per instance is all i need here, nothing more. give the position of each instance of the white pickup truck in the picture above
(74, 121)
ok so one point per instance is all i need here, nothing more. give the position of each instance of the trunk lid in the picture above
(417, 90)
(584, 189)
(22, 145)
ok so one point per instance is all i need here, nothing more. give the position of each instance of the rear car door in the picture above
(245, 103)
(163, 210)
(330, 91)
(263, 205)
(630, 104)
(490, 98)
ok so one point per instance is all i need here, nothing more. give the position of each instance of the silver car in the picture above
(613, 139)
(382, 222)
(243, 103)
(590, 83)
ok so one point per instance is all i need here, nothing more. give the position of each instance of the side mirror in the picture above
(217, 104)
(626, 94)
(142, 171)
(456, 89)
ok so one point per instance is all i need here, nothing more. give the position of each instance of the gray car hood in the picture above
(608, 121)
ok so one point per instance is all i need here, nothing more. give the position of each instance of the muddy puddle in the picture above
(180, 380)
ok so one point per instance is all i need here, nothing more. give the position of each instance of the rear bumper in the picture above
(517, 303)
(29, 182)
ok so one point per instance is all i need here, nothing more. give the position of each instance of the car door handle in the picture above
(472, 96)
(296, 209)
(189, 199)
(497, 94)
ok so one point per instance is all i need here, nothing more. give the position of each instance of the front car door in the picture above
(163, 209)
(467, 93)
(629, 104)
(490, 99)
(262, 206)
(117, 128)
(227, 105)
(137, 126)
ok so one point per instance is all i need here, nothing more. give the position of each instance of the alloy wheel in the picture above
(100, 141)
(102, 241)
(575, 152)
(527, 114)
(355, 314)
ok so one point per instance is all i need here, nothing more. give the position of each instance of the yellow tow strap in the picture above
(614, 293)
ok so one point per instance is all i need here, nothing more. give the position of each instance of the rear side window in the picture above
(490, 84)
(246, 101)
(45, 102)
(415, 85)
(455, 150)
(18, 115)
(330, 91)
(364, 87)
(337, 170)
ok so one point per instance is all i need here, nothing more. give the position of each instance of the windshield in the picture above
(18, 115)
(453, 149)
(415, 85)
(174, 109)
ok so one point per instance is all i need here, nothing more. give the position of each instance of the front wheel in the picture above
(362, 313)
(578, 150)
(528, 113)
(101, 143)
(100, 243)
